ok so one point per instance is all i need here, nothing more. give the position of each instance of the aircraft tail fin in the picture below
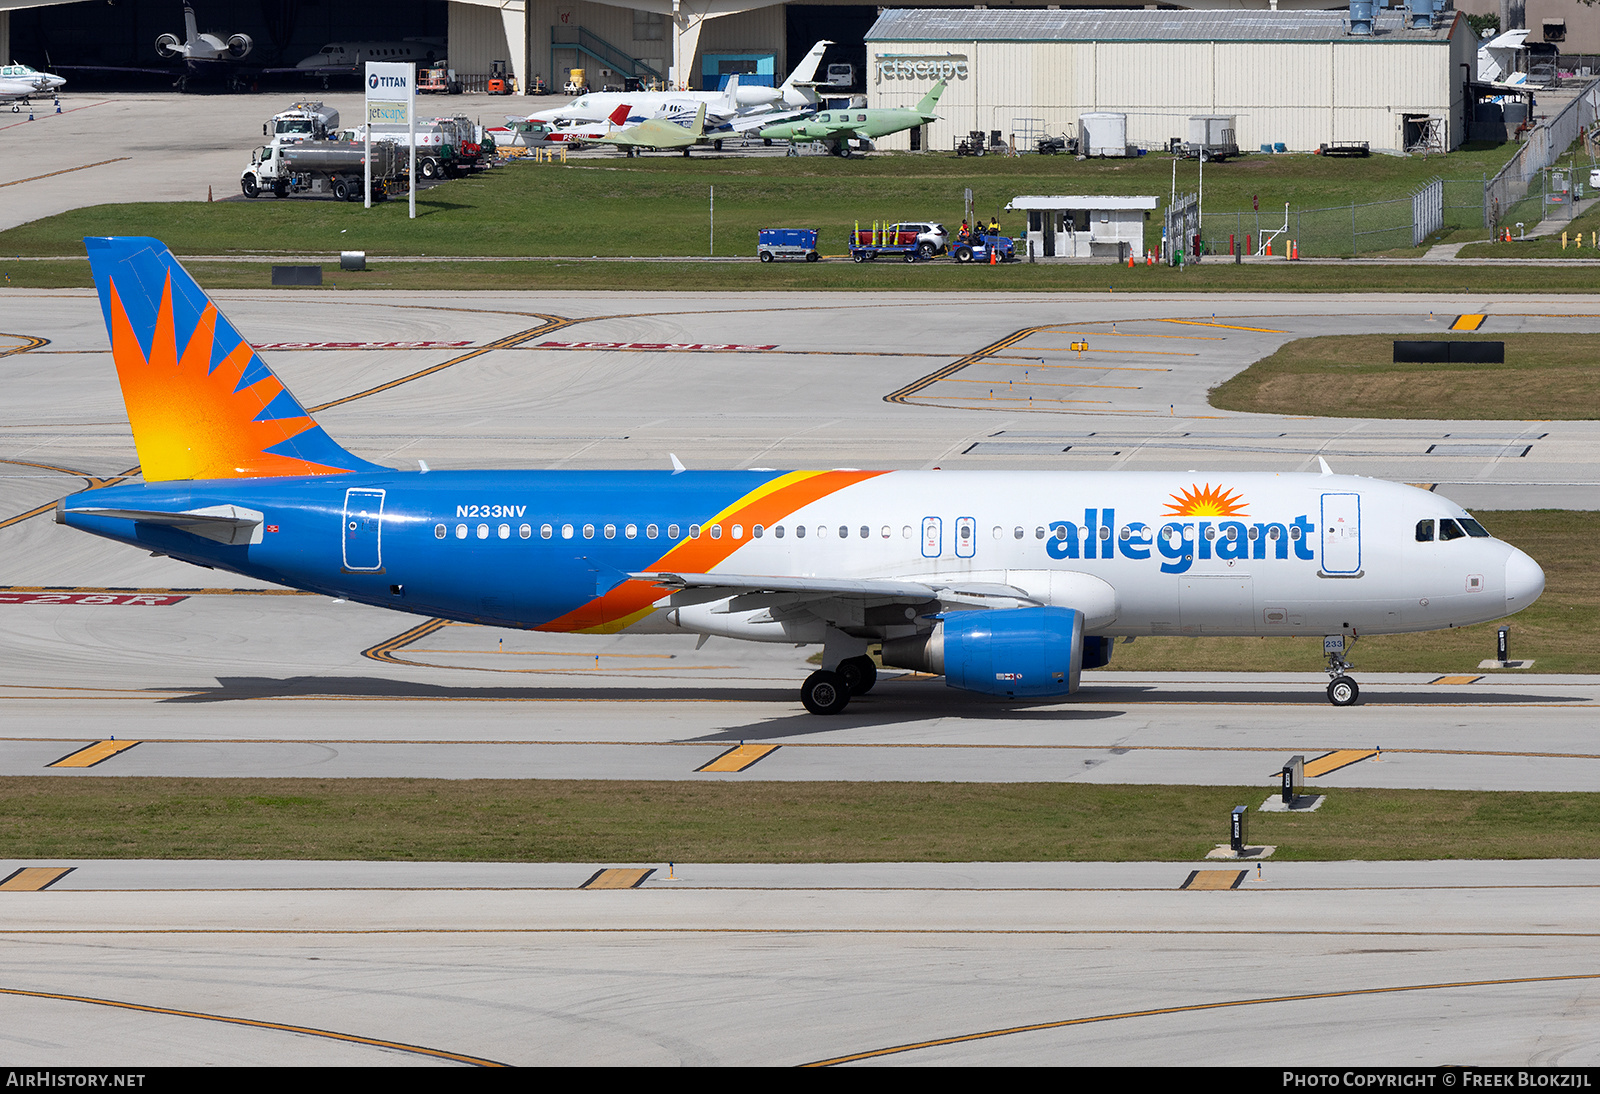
(699, 129)
(931, 99)
(730, 96)
(619, 116)
(202, 404)
(191, 30)
(794, 94)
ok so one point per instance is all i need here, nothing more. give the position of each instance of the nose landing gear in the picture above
(1342, 690)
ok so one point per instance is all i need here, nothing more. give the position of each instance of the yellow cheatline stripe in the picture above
(29, 342)
(1197, 1007)
(90, 755)
(617, 879)
(770, 487)
(1229, 326)
(256, 1023)
(1333, 761)
(1468, 322)
(1456, 680)
(1214, 879)
(31, 879)
(739, 758)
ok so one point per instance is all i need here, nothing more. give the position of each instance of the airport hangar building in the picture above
(1296, 78)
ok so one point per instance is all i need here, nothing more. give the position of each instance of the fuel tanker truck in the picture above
(321, 167)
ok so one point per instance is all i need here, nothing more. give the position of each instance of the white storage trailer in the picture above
(1102, 134)
(1213, 134)
(1084, 226)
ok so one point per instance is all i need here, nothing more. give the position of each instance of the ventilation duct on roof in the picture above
(1361, 16)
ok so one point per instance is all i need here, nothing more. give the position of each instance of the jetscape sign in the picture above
(914, 66)
(390, 92)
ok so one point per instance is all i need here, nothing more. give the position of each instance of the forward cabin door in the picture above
(1341, 534)
(363, 530)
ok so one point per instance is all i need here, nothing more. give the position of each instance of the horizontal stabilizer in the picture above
(230, 524)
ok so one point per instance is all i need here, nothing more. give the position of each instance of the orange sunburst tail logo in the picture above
(202, 404)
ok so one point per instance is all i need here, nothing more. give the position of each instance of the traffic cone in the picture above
(208, 194)
(1295, 244)
(993, 251)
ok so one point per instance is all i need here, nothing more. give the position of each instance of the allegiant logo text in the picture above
(1178, 542)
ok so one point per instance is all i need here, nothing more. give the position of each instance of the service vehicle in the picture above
(336, 168)
(891, 240)
(774, 243)
(982, 247)
(932, 239)
(302, 121)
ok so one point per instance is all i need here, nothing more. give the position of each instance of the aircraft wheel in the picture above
(859, 674)
(766, 256)
(824, 692)
(15, 109)
(717, 145)
(1343, 692)
(963, 253)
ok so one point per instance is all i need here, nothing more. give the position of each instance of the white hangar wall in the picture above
(1307, 84)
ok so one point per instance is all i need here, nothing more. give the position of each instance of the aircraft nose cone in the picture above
(1524, 581)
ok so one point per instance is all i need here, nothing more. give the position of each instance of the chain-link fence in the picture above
(1357, 228)
(1518, 192)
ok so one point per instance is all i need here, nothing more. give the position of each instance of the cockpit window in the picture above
(1425, 531)
(1449, 529)
(1474, 529)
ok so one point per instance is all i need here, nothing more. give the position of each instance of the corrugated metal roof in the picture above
(1135, 25)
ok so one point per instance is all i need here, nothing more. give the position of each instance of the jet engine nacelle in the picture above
(239, 46)
(167, 45)
(1018, 652)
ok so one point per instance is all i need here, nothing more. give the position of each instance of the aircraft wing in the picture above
(756, 590)
(757, 121)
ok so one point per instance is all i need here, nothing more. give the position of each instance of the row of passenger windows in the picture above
(824, 531)
(1451, 529)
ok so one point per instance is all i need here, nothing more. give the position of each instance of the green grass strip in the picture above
(511, 820)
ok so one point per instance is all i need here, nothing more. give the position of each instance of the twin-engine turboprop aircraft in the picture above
(1008, 583)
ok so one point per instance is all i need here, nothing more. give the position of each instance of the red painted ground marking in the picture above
(669, 346)
(360, 345)
(154, 600)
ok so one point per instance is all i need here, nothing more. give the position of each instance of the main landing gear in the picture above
(1342, 690)
(827, 692)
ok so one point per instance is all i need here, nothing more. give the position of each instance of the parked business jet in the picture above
(199, 56)
(739, 100)
(1007, 583)
(20, 83)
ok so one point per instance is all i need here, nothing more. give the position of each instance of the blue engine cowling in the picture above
(1014, 652)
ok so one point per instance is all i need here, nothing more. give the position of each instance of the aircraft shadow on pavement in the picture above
(230, 688)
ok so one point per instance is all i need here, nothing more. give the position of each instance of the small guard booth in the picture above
(1082, 226)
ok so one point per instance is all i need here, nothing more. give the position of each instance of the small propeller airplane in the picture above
(20, 84)
(659, 134)
(837, 128)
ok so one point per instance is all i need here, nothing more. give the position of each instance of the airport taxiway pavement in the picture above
(1496, 964)
(1412, 964)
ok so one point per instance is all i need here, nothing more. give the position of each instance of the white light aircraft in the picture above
(20, 83)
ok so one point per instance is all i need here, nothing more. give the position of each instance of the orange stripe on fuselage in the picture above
(766, 505)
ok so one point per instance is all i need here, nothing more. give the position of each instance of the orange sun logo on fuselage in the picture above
(1206, 501)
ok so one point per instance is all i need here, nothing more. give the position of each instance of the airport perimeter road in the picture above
(133, 964)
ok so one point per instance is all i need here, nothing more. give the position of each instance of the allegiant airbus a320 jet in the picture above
(1008, 583)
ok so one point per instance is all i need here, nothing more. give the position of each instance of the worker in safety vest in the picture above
(994, 226)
